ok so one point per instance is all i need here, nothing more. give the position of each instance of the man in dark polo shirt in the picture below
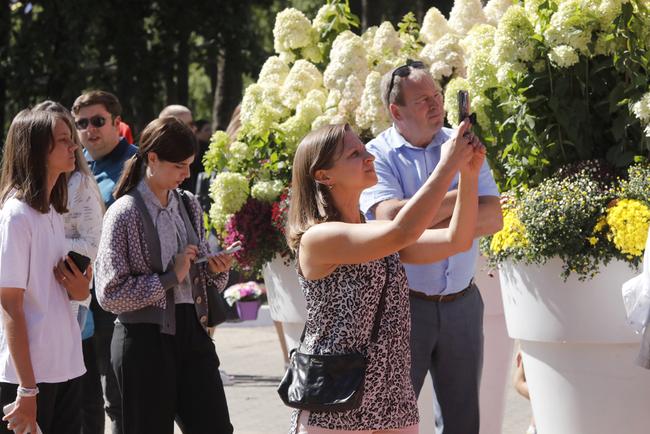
(97, 119)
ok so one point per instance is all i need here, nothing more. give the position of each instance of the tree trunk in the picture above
(229, 86)
(183, 69)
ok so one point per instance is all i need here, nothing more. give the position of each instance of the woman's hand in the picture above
(22, 418)
(183, 261)
(75, 282)
(221, 261)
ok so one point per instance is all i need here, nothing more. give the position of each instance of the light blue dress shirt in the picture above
(402, 169)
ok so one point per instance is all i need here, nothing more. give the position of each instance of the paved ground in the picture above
(251, 355)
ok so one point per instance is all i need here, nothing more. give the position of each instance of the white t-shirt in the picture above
(31, 244)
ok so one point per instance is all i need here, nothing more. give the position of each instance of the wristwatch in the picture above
(27, 392)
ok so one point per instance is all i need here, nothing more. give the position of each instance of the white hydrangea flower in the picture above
(466, 14)
(563, 56)
(347, 57)
(571, 25)
(479, 40)
(302, 78)
(481, 73)
(324, 119)
(239, 151)
(513, 41)
(606, 10)
(386, 41)
(451, 99)
(318, 96)
(292, 31)
(321, 22)
(641, 108)
(312, 53)
(261, 107)
(371, 113)
(532, 9)
(495, 9)
(273, 72)
(434, 26)
(267, 191)
(333, 99)
(351, 95)
(229, 191)
(368, 37)
(446, 57)
(297, 126)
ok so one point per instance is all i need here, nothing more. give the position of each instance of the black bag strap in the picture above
(378, 315)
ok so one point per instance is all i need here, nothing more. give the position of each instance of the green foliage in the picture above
(545, 116)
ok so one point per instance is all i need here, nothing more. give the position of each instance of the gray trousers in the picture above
(447, 341)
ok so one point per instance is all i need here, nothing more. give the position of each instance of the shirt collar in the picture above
(114, 156)
(396, 140)
(150, 198)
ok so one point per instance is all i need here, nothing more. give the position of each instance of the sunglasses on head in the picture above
(95, 121)
(404, 71)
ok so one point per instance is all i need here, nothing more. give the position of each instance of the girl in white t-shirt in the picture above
(40, 343)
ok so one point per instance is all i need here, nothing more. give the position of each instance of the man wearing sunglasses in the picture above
(97, 116)
(446, 307)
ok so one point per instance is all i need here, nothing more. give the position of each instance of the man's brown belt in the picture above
(441, 298)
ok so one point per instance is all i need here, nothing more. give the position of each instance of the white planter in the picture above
(578, 351)
(286, 300)
(497, 358)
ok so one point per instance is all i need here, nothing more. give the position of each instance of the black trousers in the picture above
(57, 406)
(165, 378)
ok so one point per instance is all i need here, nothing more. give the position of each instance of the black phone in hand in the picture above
(82, 262)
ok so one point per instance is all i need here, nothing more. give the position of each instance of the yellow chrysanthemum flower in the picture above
(628, 223)
(513, 234)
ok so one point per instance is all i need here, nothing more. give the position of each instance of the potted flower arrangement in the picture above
(561, 90)
(246, 297)
(554, 83)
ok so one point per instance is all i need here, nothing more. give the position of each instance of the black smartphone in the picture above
(463, 108)
(463, 105)
(82, 262)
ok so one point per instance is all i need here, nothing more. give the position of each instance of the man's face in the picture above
(204, 133)
(423, 113)
(98, 131)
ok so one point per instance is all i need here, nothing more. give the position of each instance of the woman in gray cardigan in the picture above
(163, 357)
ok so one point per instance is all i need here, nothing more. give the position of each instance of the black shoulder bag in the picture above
(328, 382)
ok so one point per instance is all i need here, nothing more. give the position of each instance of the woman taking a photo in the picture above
(345, 265)
(164, 360)
(40, 350)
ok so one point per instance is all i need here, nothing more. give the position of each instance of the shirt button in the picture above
(199, 300)
(196, 280)
(203, 319)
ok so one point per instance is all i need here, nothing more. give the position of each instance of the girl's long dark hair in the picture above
(169, 138)
(24, 163)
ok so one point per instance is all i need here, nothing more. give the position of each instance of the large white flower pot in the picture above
(578, 351)
(497, 358)
(286, 300)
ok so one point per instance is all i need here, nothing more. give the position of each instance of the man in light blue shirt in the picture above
(446, 307)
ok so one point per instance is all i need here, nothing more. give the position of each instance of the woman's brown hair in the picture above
(169, 138)
(24, 163)
(311, 202)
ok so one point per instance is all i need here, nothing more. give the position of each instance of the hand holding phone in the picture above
(229, 251)
(463, 107)
(82, 262)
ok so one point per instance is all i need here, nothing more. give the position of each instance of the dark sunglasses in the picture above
(404, 71)
(95, 121)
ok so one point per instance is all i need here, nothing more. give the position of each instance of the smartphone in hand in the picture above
(229, 251)
(82, 262)
(463, 107)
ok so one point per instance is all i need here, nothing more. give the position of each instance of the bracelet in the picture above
(27, 392)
